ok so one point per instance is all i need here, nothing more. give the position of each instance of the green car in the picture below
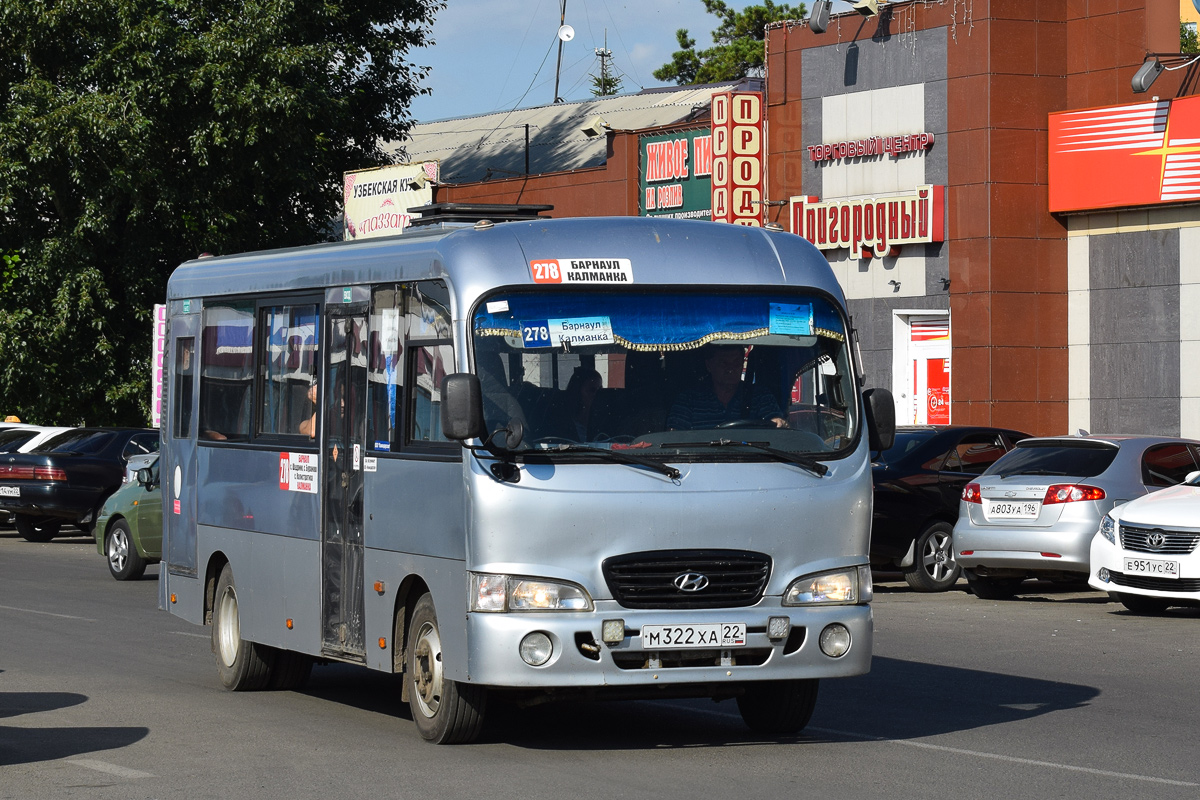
(129, 527)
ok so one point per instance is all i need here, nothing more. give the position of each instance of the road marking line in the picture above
(47, 613)
(111, 769)
(197, 635)
(1011, 759)
(960, 751)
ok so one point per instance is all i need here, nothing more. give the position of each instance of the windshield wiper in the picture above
(810, 464)
(613, 455)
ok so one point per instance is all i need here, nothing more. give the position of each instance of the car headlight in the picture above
(1108, 529)
(832, 588)
(500, 593)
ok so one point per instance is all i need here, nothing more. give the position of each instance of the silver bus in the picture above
(612, 457)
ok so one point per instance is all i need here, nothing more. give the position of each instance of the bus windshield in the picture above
(668, 373)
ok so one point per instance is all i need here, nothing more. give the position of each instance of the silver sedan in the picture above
(1034, 512)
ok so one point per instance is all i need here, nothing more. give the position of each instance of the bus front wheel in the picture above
(445, 711)
(778, 707)
(242, 666)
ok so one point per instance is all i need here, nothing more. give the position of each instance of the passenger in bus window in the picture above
(308, 426)
(724, 398)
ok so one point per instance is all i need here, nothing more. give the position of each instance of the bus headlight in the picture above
(512, 593)
(832, 588)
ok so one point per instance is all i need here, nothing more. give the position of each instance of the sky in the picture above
(495, 55)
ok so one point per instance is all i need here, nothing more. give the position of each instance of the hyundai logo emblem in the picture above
(691, 582)
(1156, 540)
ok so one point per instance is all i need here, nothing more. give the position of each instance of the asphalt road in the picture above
(1058, 694)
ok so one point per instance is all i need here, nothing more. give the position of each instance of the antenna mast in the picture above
(564, 34)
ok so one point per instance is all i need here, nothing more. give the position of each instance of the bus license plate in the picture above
(1146, 566)
(1013, 509)
(681, 637)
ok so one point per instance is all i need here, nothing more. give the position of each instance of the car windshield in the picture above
(1083, 459)
(79, 441)
(667, 373)
(11, 439)
(906, 442)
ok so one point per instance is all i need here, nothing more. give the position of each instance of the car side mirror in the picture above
(145, 476)
(881, 418)
(1193, 478)
(462, 407)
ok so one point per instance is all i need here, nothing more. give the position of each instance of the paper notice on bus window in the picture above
(298, 472)
(579, 331)
(791, 320)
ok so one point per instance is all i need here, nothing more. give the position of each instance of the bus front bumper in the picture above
(579, 656)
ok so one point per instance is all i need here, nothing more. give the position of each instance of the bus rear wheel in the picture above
(445, 711)
(777, 708)
(242, 666)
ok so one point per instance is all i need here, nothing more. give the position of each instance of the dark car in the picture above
(66, 478)
(918, 485)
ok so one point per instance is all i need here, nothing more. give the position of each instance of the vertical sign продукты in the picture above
(738, 180)
(159, 343)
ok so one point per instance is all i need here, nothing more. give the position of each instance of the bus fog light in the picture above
(612, 631)
(1104, 574)
(778, 627)
(536, 649)
(835, 640)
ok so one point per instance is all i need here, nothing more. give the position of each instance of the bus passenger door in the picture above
(177, 466)
(344, 388)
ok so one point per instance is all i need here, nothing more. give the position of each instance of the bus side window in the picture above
(226, 371)
(287, 395)
(185, 371)
(409, 353)
(428, 364)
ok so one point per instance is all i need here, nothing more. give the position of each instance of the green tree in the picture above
(1187, 39)
(738, 49)
(135, 134)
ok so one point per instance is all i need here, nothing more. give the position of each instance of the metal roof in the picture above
(492, 146)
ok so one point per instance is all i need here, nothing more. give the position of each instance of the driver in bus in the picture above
(724, 398)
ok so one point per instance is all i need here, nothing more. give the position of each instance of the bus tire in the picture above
(445, 711)
(242, 666)
(290, 671)
(778, 708)
(124, 563)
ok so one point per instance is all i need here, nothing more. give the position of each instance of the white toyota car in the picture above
(1145, 551)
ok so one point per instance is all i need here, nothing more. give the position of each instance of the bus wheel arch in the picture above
(412, 588)
(216, 563)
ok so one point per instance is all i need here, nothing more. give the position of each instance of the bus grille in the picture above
(730, 578)
(1138, 540)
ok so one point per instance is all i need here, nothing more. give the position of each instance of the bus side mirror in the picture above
(881, 419)
(462, 407)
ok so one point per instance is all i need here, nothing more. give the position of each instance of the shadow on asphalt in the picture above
(30, 745)
(896, 700)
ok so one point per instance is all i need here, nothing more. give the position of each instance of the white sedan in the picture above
(1145, 551)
